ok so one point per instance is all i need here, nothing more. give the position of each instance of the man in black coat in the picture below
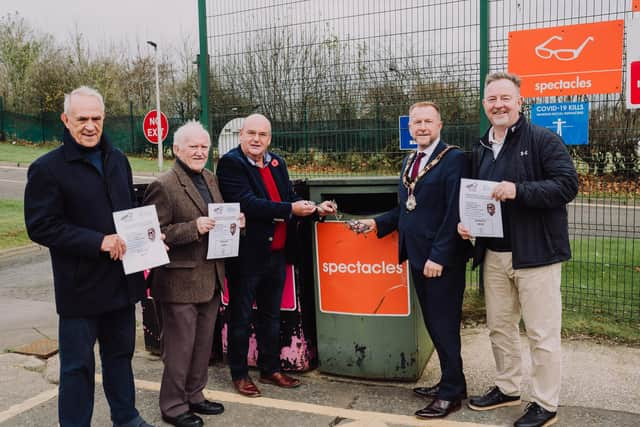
(535, 179)
(70, 195)
(258, 179)
(426, 219)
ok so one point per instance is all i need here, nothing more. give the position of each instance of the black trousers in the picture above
(264, 286)
(441, 302)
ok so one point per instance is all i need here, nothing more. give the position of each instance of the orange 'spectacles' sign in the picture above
(569, 60)
(359, 274)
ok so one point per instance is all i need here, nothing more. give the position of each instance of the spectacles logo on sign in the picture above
(544, 52)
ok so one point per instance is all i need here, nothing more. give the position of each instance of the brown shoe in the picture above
(281, 380)
(246, 387)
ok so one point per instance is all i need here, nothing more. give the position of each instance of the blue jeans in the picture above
(264, 286)
(115, 333)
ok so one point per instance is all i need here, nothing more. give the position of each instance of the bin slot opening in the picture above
(363, 204)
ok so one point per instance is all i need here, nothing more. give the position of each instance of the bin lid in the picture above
(353, 181)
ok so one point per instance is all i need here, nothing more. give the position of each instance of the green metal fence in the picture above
(334, 76)
(125, 132)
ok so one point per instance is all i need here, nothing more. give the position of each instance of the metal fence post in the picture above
(42, 119)
(484, 58)
(2, 136)
(133, 138)
(203, 67)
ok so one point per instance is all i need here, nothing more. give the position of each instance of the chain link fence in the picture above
(334, 76)
(125, 132)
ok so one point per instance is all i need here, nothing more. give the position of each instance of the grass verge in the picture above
(12, 230)
(22, 154)
(600, 292)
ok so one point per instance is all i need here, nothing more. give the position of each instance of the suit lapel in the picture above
(254, 173)
(190, 189)
(436, 151)
(430, 176)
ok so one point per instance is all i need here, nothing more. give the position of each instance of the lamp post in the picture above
(158, 121)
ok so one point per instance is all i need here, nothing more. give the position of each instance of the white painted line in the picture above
(12, 181)
(144, 177)
(30, 403)
(368, 418)
(14, 167)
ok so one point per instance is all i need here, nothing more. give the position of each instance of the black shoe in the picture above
(432, 392)
(536, 416)
(187, 419)
(439, 409)
(206, 407)
(493, 399)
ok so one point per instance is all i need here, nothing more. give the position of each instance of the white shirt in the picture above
(495, 145)
(427, 153)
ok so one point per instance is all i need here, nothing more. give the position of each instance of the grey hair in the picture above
(82, 91)
(502, 75)
(188, 129)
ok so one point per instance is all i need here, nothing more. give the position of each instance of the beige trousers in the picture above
(534, 295)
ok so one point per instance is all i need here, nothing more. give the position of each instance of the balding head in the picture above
(256, 119)
(255, 137)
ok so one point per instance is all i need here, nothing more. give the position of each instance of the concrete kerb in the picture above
(23, 254)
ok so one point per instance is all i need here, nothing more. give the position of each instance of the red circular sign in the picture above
(150, 127)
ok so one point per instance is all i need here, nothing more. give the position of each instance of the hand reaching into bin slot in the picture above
(328, 207)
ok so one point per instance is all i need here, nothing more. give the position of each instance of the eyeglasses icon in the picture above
(560, 54)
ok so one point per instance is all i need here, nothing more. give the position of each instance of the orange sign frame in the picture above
(568, 60)
(359, 274)
(635, 7)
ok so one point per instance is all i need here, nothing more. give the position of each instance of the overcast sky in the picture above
(131, 21)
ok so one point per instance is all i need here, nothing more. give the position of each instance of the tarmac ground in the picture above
(600, 382)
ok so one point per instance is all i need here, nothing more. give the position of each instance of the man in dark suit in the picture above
(426, 218)
(70, 196)
(259, 181)
(188, 288)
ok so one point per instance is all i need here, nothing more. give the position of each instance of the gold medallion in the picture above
(411, 202)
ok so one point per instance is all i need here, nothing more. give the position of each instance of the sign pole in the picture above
(158, 121)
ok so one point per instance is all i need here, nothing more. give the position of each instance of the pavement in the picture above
(600, 382)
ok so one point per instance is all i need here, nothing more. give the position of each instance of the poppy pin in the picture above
(274, 163)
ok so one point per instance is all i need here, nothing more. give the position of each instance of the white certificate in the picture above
(224, 237)
(140, 230)
(479, 212)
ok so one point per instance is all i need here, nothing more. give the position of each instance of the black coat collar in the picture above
(72, 150)
(513, 130)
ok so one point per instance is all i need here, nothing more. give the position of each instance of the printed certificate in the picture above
(479, 212)
(224, 237)
(140, 229)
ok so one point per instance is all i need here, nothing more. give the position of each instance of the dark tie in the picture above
(416, 165)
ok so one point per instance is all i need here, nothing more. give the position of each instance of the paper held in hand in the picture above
(140, 230)
(479, 212)
(224, 237)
